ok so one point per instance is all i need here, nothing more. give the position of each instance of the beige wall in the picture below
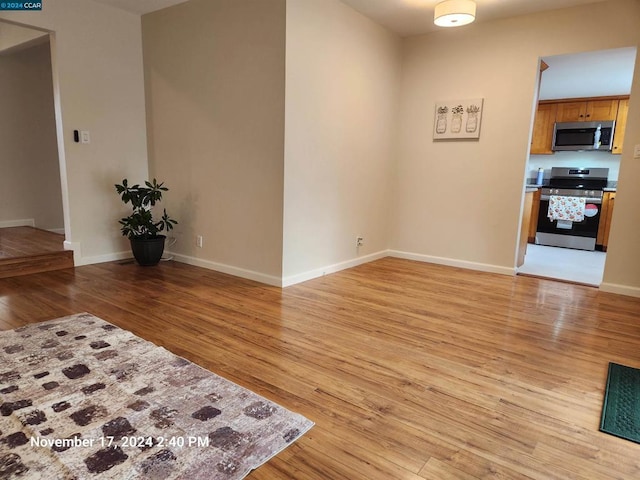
(12, 36)
(30, 179)
(460, 202)
(284, 204)
(214, 72)
(97, 64)
(343, 74)
(622, 269)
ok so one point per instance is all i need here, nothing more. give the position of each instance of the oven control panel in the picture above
(590, 196)
(568, 192)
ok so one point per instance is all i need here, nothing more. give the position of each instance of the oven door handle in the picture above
(597, 201)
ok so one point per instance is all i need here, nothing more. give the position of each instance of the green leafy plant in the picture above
(140, 224)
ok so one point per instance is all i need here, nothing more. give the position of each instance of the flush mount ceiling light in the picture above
(454, 13)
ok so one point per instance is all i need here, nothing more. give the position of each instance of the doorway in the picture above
(30, 184)
(598, 76)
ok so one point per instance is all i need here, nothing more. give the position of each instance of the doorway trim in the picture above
(62, 165)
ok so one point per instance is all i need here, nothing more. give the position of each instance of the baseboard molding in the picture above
(220, 267)
(110, 257)
(59, 231)
(25, 222)
(620, 289)
(319, 272)
(79, 260)
(452, 262)
(75, 248)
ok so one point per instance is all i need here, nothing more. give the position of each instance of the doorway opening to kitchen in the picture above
(573, 167)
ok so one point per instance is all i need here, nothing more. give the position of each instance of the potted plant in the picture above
(147, 244)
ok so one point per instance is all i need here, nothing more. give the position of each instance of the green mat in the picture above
(621, 409)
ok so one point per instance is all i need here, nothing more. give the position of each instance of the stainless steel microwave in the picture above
(576, 136)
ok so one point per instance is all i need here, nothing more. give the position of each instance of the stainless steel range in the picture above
(570, 207)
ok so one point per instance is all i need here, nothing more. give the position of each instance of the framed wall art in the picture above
(456, 119)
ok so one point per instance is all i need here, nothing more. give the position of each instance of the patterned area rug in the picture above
(81, 398)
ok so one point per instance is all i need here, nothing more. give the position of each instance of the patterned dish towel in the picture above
(566, 208)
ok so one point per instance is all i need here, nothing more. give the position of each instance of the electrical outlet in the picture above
(359, 241)
(636, 151)
(85, 137)
(199, 241)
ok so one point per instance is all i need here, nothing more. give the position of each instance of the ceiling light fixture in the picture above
(454, 13)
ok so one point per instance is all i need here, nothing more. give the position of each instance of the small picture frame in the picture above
(458, 119)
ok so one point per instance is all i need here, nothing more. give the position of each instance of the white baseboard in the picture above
(28, 222)
(452, 262)
(25, 222)
(220, 267)
(620, 289)
(75, 248)
(319, 272)
(79, 260)
(110, 257)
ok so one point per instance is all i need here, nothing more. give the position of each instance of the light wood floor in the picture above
(27, 250)
(410, 371)
(26, 241)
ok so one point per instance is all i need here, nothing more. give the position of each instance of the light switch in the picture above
(636, 151)
(85, 137)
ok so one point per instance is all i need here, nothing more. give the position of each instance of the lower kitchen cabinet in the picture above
(533, 221)
(608, 201)
(529, 222)
(524, 227)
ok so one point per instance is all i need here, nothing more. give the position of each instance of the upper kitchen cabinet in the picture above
(621, 124)
(542, 137)
(587, 111)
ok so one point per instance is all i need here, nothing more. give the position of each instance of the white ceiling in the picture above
(140, 6)
(589, 74)
(414, 17)
(405, 17)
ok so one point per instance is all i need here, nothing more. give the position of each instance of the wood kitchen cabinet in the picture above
(535, 210)
(542, 137)
(587, 111)
(577, 110)
(608, 201)
(621, 124)
(524, 228)
(529, 223)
